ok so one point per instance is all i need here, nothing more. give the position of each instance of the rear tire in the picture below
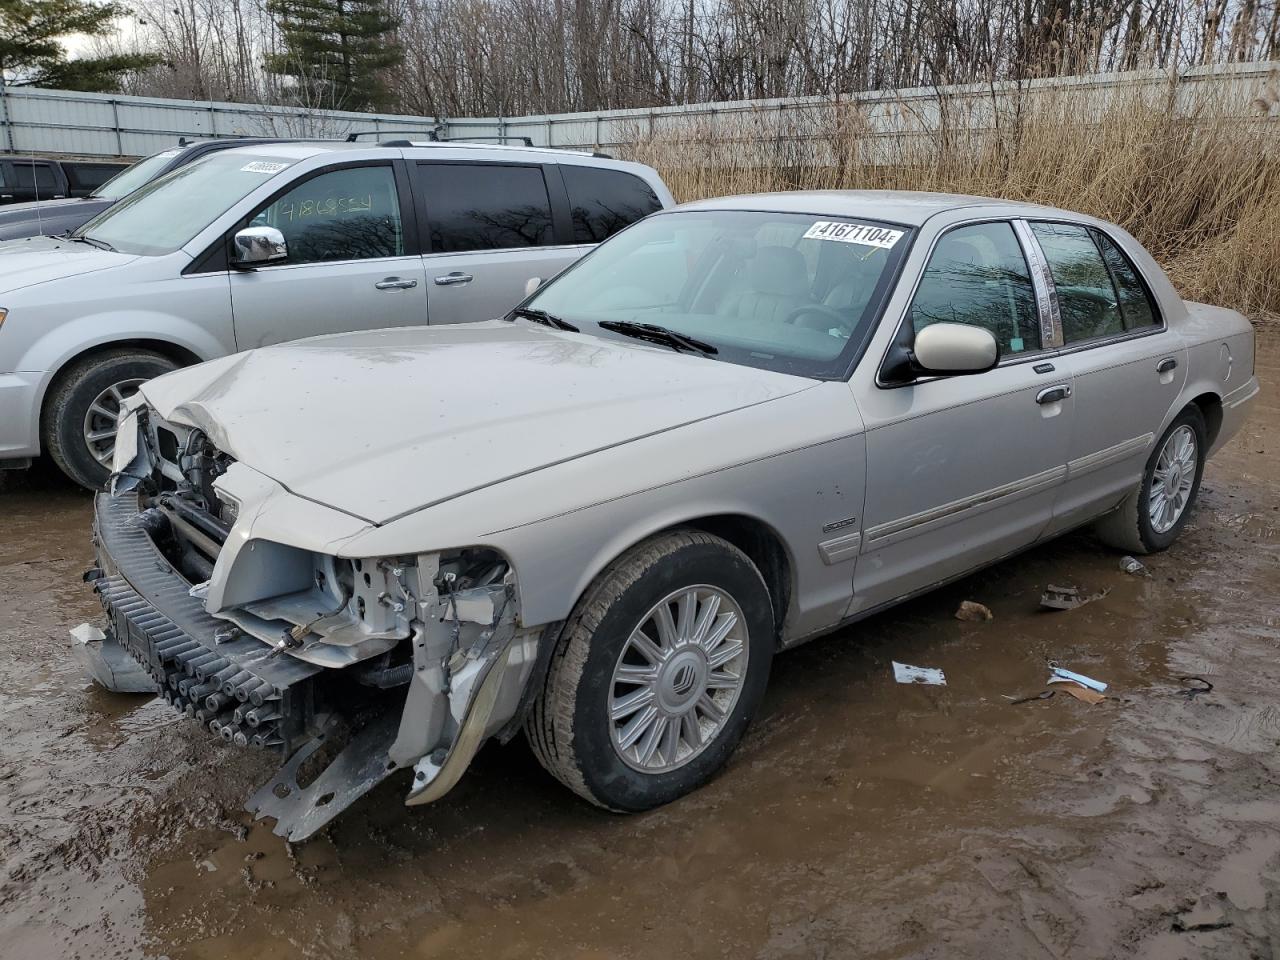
(1148, 522)
(77, 424)
(700, 669)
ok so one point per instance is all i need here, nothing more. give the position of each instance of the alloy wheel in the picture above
(103, 418)
(678, 678)
(1172, 479)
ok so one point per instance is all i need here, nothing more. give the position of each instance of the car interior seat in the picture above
(777, 283)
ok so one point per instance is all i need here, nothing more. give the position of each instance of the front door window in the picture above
(348, 214)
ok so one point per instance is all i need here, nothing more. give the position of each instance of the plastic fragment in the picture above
(905, 673)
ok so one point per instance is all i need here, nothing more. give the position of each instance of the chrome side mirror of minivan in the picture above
(531, 286)
(259, 245)
(948, 349)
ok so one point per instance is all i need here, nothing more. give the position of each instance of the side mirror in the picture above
(531, 286)
(954, 348)
(258, 245)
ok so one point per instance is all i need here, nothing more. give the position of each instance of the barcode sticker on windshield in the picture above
(263, 166)
(861, 233)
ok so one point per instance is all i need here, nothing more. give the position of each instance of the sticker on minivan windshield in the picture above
(861, 233)
(263, 166)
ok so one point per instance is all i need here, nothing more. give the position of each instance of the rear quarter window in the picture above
(602, 201)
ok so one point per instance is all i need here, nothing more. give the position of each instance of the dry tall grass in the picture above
(1195, 176)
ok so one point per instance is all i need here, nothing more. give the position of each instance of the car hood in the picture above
(384, 423)
(24, 263)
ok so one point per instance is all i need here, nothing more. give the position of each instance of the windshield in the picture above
(169, 211)
(132, 177)
(783, 291)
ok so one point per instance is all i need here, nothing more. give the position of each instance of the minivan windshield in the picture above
(132, 177)
(168, 212)
(791, 292)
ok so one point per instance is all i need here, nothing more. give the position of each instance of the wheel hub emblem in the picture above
(683, 682)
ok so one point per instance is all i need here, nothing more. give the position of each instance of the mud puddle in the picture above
(860, 817)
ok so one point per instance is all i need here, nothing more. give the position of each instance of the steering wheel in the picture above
(820, 310)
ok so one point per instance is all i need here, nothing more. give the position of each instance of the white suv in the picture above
(276, 242)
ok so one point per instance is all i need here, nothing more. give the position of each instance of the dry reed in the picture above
(1194, 175)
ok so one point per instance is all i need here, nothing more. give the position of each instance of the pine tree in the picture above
(31, 54)
(337, 50)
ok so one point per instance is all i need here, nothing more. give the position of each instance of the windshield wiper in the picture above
(93, 242)
(656, 334)
(544, 318)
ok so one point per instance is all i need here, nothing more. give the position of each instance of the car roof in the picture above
(895, 206)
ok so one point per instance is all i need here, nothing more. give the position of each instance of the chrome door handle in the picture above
(1165, 365)
(395, 283)
(1053, 394)
(452, 278)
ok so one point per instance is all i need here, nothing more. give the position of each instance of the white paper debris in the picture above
(1058, 675)
(905, 673)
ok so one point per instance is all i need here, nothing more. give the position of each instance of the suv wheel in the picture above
(78, 425)
(657, 673)
(1153, 515)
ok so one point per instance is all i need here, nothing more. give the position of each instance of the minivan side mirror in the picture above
(259, 245)
(949, 349)
(531, 286)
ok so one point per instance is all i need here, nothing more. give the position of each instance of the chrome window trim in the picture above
(1042, 281)
(1089, 344)
(1009, 359)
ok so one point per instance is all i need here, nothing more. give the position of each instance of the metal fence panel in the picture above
(55, 121)
(35, 120)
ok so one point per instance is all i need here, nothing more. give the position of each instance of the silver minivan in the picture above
(268, 243)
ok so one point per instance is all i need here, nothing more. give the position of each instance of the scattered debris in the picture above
(1058, 675)
(106, 661)
(1042, 695)
(1205, 915)
(1067, 598)
(969, 610)
(1079, 692)
(1192, 692)
(1133, 565)
(905, 673)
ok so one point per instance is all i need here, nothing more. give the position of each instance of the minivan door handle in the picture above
(1053, 394)
(395, 283)
(452, 278)
(1165, 365)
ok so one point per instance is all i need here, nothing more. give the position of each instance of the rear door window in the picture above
(1137, 307)
(35, 176)
(978, 275)
(90, 176)
(602, 201)
(485, 206)
(1087, 298)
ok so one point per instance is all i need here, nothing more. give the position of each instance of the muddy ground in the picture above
(860, 818)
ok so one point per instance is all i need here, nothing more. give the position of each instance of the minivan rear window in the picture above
(604, 201)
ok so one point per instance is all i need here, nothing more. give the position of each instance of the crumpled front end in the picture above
(237, 600)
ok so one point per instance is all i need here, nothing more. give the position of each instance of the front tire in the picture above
(83, 407)
(1152, 517)
(657, 673)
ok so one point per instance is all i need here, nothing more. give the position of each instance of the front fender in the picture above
(795, 468)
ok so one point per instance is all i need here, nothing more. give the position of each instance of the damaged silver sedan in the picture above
(733, 427)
